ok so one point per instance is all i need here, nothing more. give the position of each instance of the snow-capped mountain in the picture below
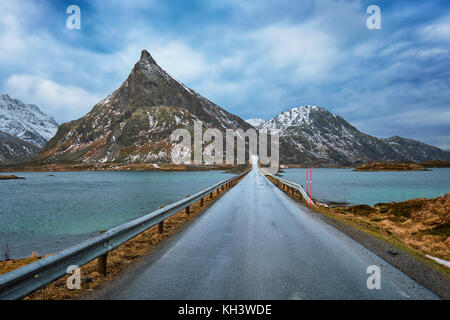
(134, 123)
(255, 122)
(311, 134)
(14, 150)
(26, 121)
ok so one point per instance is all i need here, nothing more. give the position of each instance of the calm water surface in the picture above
(345, 185)
(46, 213)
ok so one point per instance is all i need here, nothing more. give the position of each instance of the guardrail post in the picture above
(202, 202)
(102, 262)
(211, 195)
(187, 210)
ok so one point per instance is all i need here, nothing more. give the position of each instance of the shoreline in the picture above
(375, 166)
(115, 167)
(167, 166)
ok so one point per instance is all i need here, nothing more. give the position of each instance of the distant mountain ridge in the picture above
(24, 130)
(134, 124)
(14, 150)
(314, 135)
(26, 121)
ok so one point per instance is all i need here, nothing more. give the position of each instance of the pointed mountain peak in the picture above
(148, 66)
(146, 57)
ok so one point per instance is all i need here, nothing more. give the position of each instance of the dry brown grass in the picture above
(118, 260)
(10, 265)
(8, 177)
(420, 224)
(390, 166)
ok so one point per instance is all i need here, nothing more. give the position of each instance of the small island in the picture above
(10, 177)
(402, 166)
(391, 166)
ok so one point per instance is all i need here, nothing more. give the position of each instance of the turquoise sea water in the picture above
(345, 185)
(46, 213)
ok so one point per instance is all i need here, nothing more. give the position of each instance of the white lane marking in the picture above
(444, 262)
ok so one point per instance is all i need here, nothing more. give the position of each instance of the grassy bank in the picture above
(421, 224)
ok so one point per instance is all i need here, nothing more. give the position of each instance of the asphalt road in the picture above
(257, 243)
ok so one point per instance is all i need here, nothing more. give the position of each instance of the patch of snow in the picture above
(26, 121)
(255, 122)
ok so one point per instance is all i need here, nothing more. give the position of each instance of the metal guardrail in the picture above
(288, 184)
(21, 282)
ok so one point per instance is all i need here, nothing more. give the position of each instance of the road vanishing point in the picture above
(255, 242)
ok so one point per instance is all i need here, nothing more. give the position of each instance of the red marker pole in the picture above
(307, 196)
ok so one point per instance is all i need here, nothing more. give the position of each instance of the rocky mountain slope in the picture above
(134, 123)
(26, 121)
(416, 150)
(14, 150)
(313, 135)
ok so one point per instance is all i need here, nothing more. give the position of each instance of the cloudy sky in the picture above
(253, 58)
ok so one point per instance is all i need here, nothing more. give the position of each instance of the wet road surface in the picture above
(257, 243)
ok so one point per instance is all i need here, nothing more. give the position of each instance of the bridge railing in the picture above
(289, 185)
(21, 282)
